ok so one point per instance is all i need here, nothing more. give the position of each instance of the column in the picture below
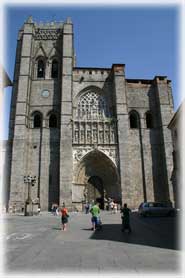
(118, 75)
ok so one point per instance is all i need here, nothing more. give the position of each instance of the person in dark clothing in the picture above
(125, 218)
(87, 207)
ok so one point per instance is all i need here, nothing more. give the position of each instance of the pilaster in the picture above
(19, 152)
(66, 158)
(165, 113)
(118, 75)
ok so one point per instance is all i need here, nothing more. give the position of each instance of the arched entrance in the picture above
(95, 190)
(97, 176)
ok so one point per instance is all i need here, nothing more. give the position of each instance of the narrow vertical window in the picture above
(149, 120)
(37, 121)
(53, 120)
(54, 69)
(134, 120)
(40, 69)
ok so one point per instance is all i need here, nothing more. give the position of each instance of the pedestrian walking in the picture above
(53, 209)
(64, 217)
(108, 206)
(87, 208)
(112, 206)
(95, 211)
(38, 210)
(90, 205)
(125, 218)
(57, 211)
(115, 208)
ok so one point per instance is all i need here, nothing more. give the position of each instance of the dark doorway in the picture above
(95, 190)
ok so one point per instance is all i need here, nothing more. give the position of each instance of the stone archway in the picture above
(97, 176)
(95, 190)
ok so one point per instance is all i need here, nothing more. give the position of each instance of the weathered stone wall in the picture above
(157, 151)
(35, 151)
(19, 115)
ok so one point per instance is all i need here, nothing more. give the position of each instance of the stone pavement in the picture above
(36, 244)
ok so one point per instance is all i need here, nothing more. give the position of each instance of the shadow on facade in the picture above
(158, 232)
(159, 166)
(142, 163)
(54, 134)
(6, 173)
(39, 163)
(54, 147)
(53, 190)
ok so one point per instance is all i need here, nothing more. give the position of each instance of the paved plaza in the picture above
(36, 244)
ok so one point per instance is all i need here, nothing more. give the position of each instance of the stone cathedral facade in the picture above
(85, 133)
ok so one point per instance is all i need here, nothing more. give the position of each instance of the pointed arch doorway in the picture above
(99, 177)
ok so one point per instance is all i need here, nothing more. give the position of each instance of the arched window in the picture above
(92, 106)
(53, 120)
(134, 119)
(37, 120)
(149, 120)
(54, 69)
(40, 68)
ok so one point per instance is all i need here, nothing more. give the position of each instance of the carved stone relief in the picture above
(79, 153)
(47, 34)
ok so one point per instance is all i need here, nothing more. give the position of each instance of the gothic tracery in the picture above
(92, 106)
(92, 120)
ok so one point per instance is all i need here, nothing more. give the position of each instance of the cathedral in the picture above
(85, 134)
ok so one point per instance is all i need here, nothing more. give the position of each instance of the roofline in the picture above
(90, 68)
(134, 80)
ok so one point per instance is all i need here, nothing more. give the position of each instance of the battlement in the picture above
(46, 30)
(49, 25)
(139, 81)
(148, 81)
(85, 74)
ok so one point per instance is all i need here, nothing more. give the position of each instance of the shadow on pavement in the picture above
(56, 228)
(151, 231)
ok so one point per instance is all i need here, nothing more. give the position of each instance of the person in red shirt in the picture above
(64, 217)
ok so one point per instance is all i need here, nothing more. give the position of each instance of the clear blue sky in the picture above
(143, 38)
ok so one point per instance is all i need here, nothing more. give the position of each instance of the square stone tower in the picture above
(40, 111)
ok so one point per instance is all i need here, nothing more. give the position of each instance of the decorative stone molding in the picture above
(111, 153)
(79, 153)
(47, 34)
